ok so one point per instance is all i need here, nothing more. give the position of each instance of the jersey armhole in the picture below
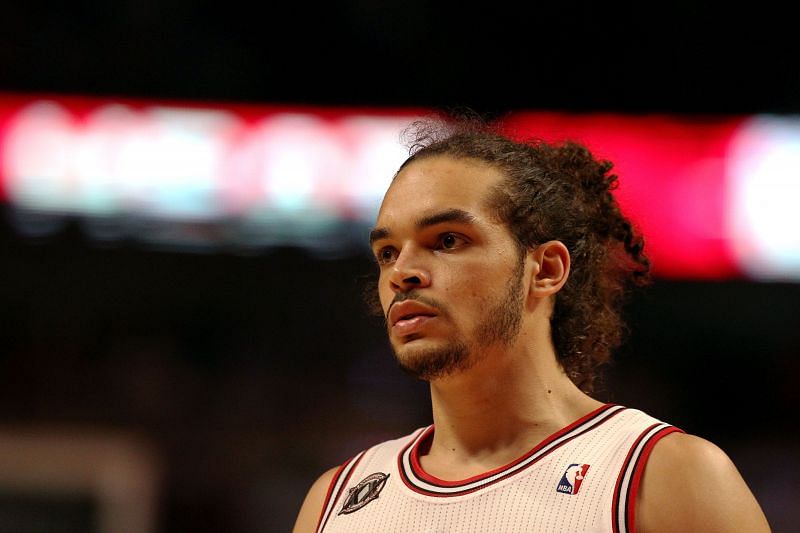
(630, 476)
(337, 484)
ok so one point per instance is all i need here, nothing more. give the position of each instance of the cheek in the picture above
(478, 294)
(472, 282)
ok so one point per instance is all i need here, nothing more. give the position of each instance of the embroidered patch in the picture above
(363, 493)
(571, 480)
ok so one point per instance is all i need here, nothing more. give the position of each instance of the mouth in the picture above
(409, 310)
(409, 317)
(411, 324)
(412, 316)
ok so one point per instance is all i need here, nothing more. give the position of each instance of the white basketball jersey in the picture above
(583, 478)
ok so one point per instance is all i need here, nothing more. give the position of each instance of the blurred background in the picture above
(187, 189)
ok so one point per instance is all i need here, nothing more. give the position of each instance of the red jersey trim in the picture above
(638, 470)
(623, 511)
(334, 479)
(418, 480)
(347, 468)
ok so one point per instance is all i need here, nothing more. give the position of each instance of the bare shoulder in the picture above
(312, 506)
(689, 484)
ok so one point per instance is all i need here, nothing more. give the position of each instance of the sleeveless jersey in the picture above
(583, 478)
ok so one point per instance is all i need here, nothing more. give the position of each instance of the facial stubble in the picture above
(499, 326)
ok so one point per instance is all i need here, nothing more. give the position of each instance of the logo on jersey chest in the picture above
(363, 493)
(571, 480)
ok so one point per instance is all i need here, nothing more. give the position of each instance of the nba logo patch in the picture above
(571, 480)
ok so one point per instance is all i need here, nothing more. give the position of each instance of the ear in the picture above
(550, 268)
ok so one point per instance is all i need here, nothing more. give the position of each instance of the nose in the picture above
(408, 271)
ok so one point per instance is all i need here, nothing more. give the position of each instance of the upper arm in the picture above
(691, 485)
(312, 506)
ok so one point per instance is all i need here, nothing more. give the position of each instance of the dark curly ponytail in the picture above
(558, 192)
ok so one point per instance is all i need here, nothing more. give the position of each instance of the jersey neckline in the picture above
(418, 480)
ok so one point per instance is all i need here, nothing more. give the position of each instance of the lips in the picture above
(409, 317)
(409, 310)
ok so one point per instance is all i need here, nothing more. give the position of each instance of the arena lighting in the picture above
(764, 197)
(195, 177)
(716, 197)
(672, 176)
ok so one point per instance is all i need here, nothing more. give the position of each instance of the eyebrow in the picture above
(450, 215)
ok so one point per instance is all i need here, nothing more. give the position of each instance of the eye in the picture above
(450, 241)
(386, 255)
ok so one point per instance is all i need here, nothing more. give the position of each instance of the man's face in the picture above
(450, 276)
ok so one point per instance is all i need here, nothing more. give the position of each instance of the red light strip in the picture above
(672, 175)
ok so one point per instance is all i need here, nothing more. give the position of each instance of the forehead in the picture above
(436, 183)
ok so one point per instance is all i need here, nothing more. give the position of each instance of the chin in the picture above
(428, 360)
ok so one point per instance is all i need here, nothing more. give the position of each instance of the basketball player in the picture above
(502, 266)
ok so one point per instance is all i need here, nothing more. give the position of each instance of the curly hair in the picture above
(557, 192)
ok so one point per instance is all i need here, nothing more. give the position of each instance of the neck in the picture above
(492, 413)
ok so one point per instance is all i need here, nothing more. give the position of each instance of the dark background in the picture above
(252, 375)
(682, 56)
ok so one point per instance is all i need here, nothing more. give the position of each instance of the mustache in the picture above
(414, 295)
